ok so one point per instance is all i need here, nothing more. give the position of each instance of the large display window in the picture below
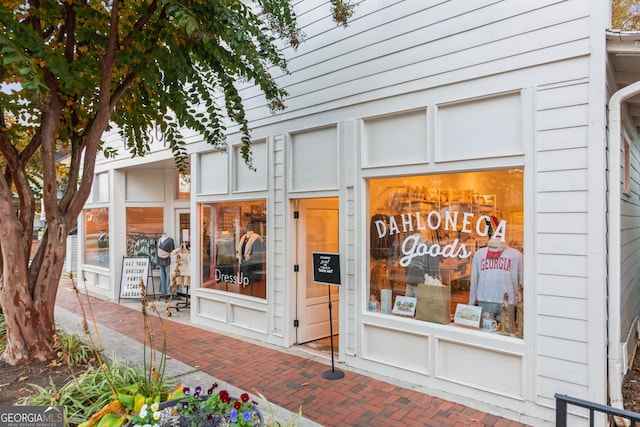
(96, 237)
(448, 248)
(234, 247)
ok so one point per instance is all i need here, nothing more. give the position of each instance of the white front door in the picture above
(317, 231)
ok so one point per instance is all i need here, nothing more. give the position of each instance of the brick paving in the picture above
(288, 380)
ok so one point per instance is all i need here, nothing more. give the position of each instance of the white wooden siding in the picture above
(395, 47)
(562, 207)
(279, 292)
(350, 292)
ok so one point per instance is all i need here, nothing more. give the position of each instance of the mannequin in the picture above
(164, 248)
(249, 252)
(496, 271)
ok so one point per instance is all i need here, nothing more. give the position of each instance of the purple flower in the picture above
(246, 415)
(186, 391)
(185, 405)
(233, 416)
(197, 392)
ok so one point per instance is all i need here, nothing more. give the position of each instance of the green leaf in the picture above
(111, 420)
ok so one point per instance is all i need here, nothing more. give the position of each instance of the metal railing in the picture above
(562, 401)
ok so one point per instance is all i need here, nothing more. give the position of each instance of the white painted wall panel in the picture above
(479, 129)
(144, 185)
(212, 309)
(245, 178)
(398, 139)
(248, 318)
(214, 173)
(483, 368)
(314, 160)
(389, 346)
(100, 190)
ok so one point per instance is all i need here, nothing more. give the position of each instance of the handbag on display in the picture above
(434, 303)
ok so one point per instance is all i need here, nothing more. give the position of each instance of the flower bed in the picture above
(214, 409)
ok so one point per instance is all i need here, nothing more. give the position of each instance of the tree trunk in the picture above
(29, 308)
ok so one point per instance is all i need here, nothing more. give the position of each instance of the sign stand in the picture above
(326, 269)
(332, 374)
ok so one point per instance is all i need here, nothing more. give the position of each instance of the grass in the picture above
(72, 350)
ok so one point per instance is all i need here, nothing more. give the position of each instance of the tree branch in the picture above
(49, 127)
(16, 174)
(140, 23)
(70, 27)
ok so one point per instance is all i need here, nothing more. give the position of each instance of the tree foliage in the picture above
(75, 68)
(625, 15)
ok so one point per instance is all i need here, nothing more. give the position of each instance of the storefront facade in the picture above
(407, 166)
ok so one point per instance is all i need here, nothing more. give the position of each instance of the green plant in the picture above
(91, 392)
(71, 349)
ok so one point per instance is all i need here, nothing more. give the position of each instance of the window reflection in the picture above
(234, 247)
(144, 228)
(426, 231)
(96, 244)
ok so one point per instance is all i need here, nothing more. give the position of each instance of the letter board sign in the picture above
(326, 268)
(134, 269)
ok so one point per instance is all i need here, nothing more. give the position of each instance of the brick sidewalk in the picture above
(288, 380)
